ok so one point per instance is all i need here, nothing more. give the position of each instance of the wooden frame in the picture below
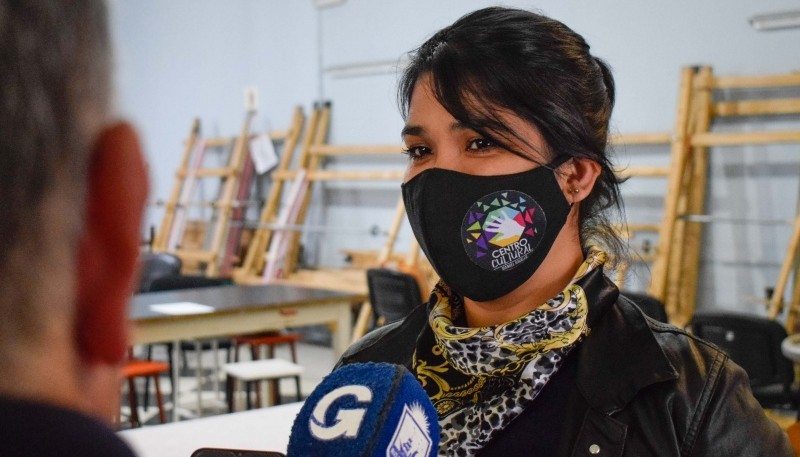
(676, 267)
(231, 178)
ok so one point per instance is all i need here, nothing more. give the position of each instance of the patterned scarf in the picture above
(481, 379)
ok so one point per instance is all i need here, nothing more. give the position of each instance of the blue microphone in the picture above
(366, 410)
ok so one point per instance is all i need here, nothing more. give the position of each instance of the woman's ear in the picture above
(577, 178)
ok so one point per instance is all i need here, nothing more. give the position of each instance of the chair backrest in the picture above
(651, 306)
(753, 342)
(178, 282)
(157, 265)
(393, 294)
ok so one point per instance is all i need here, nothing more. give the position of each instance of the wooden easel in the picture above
(630, 229)
(162, 242)
(262, 234)
(231, 179)
(676, 266)
(255, 259)
(312, 155)
(679, 157)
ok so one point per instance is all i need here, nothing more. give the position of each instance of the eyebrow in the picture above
(418, 130)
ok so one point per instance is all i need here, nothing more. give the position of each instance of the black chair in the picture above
(651, 306)
(155, 266)
(393, 294)
(178, 282)
(754, 343)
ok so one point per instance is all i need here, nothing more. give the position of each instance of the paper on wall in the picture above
(262, 151)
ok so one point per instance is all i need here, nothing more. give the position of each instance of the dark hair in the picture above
(500, 59)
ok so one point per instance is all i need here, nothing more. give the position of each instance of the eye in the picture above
(480, 144)
(416, 152)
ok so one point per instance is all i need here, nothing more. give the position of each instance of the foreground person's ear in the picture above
(109, 246)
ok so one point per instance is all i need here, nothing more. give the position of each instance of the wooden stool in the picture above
(259, 370)
(148, 369)
(270, 340)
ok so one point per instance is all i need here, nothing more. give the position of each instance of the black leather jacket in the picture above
(650, 388)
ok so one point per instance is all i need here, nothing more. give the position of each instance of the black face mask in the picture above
(486, 235)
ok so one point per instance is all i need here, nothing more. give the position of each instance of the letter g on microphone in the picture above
(347, 421)
(366, 410)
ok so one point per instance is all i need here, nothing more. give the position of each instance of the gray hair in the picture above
(54, 87)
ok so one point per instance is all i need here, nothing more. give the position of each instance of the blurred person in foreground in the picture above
(526, 347)
(72, 191)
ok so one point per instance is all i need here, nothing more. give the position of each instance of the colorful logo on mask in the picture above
(502, 229)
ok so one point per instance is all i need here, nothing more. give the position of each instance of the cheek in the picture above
(410, 173)
(413, 169)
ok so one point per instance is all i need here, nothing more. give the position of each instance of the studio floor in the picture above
(317, 361)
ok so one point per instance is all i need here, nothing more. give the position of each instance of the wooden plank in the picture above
(342, 280)
(642, 171)
(794, 304)
(232, 246)
(638, 227)
(335, 150)
(363, 259)
(751, 82)
(365, 313)
(282, 135)
(678, 158)
(208, 173)
(220, 141)
(758, 107)
(776, 303)
(278, 178)
(642, 138)
(160, 243)
(743, 138)
(397, 222)
(309, 139)
(230, 187)
(257, 248)
(347, 175)
(312, 164)
(195, 256)
(280, 245)
(691, 246)
(676, 248)
(791, 318)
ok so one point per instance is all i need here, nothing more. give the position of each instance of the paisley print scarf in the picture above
(480, 379)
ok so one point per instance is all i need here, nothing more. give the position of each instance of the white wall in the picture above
(181, 59)
(184, 58)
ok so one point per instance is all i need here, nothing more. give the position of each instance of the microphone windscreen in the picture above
(365, 410)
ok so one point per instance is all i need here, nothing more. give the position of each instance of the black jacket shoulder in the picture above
(392, 343)
(650, 388)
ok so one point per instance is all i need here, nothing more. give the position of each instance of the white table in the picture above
(238, 309)
(243, 309)
(265, 429)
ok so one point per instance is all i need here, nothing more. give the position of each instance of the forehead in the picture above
(424, 107)
(426, 111)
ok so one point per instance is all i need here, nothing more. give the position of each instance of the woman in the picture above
(525, 347)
